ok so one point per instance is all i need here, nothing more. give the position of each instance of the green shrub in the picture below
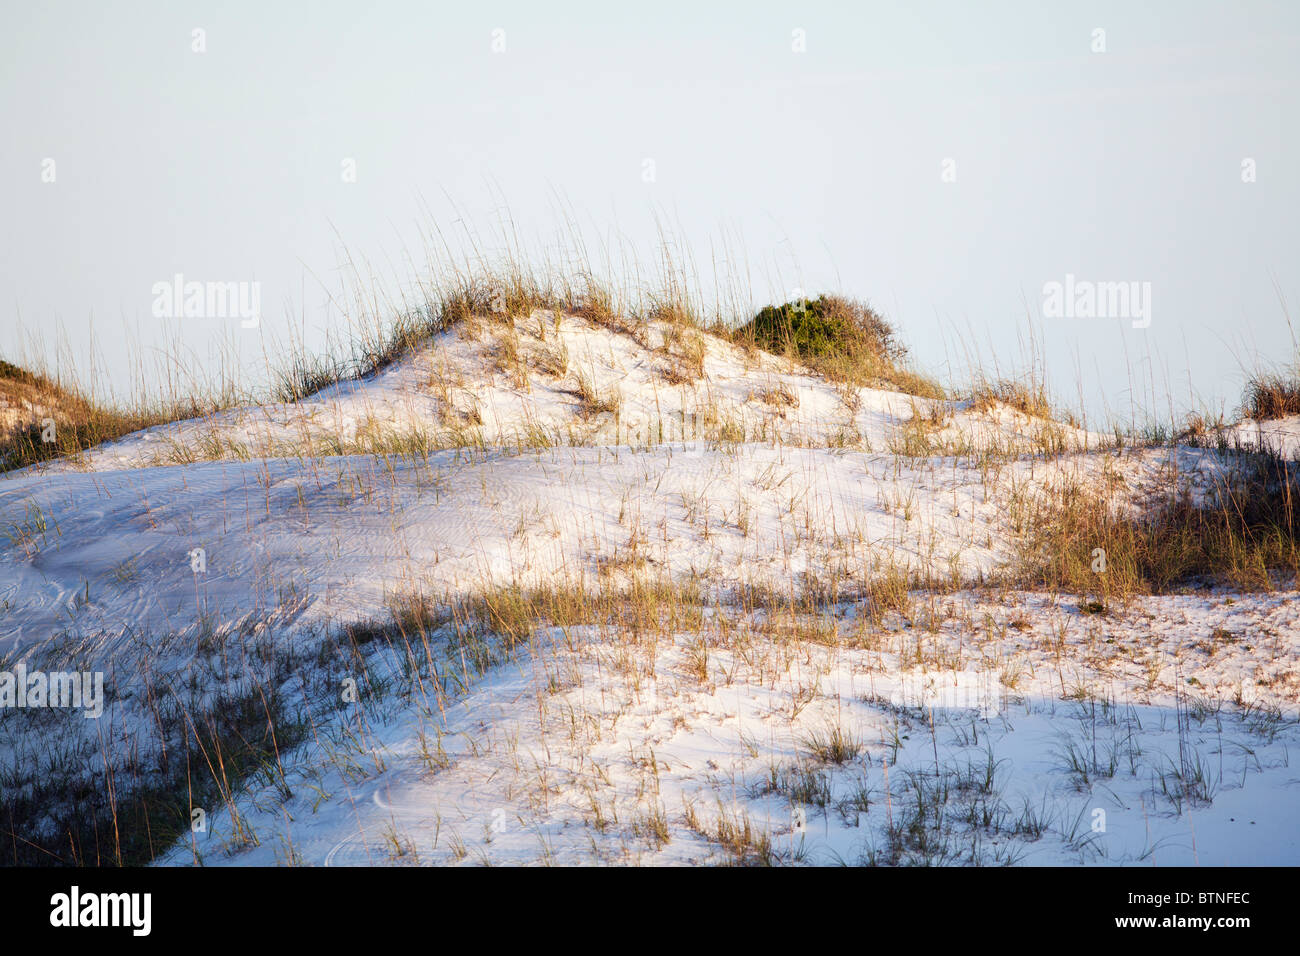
(844, 340)
(822, 328)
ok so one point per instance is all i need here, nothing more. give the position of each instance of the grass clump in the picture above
(833, 745)
(592, 402)
(45, 419)
(1244, 532)
(1272, 396)
(1027, 397)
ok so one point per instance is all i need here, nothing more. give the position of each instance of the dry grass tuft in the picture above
(777, 396)
(1272, 396)
(1027, 397)
(1245, 532)
(44, 419)
(592, 403)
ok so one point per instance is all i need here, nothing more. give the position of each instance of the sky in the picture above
(947, 162)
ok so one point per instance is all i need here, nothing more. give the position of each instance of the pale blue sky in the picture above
(1122, 165)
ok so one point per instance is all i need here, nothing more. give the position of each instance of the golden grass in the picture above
(1027, 397)
(1244, 532)
(1272, 396)
(49, 420)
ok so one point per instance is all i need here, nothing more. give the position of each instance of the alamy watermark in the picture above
(1085, 299)
(80, 690)
(179, 299)
(75, 908)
